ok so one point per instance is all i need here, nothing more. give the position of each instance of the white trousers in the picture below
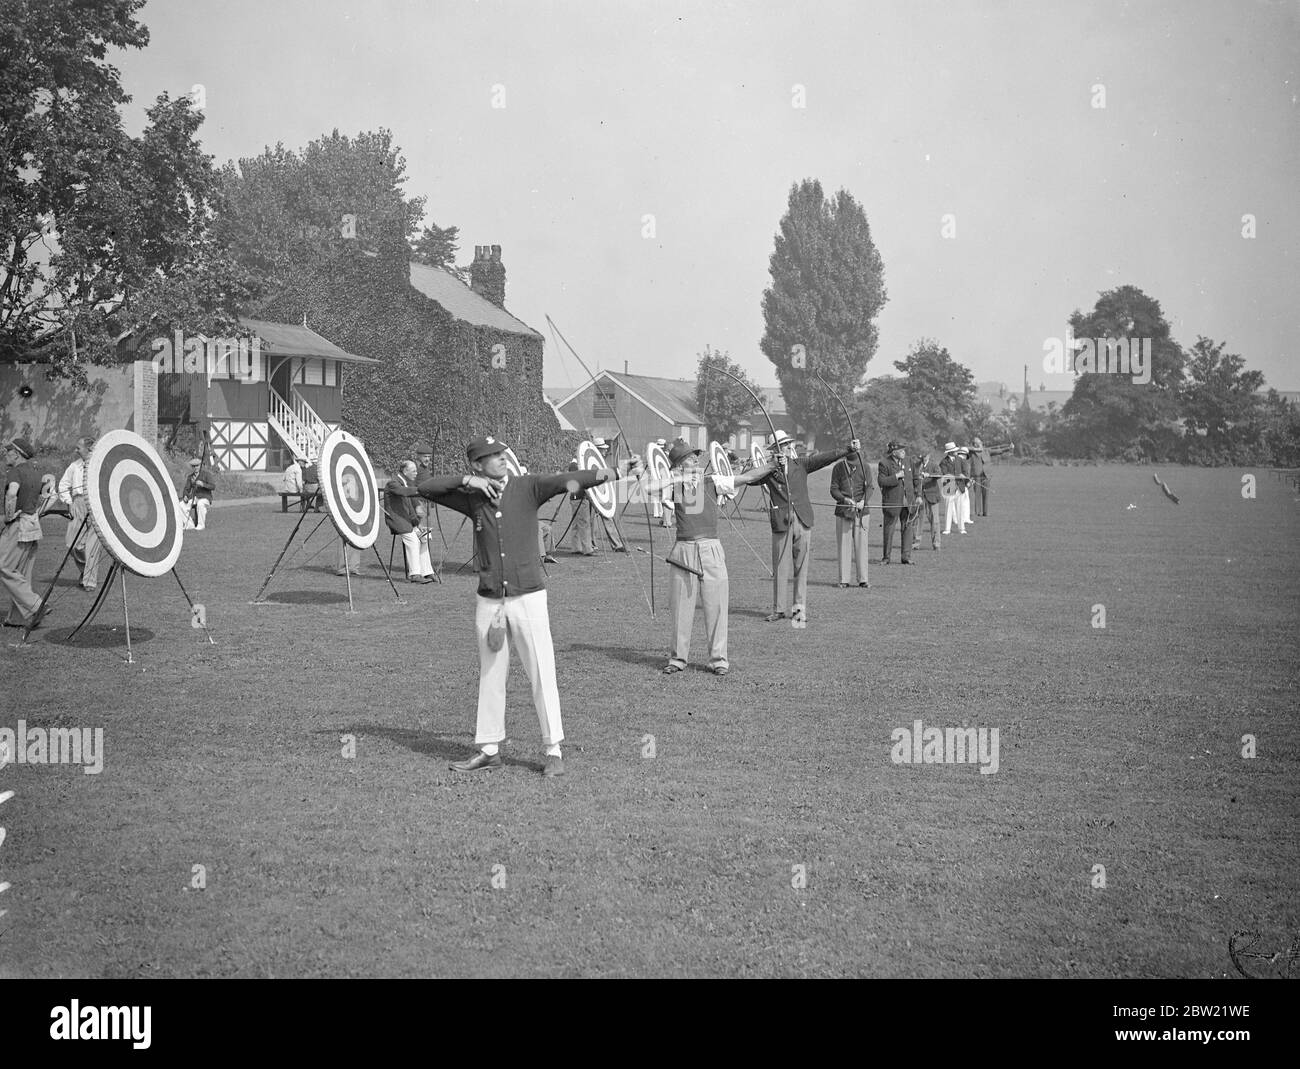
(416, 551)
(952, 510)
(201, 509)
(528, 630)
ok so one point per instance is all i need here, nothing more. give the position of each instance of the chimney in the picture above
(625, 367)
(487, 275)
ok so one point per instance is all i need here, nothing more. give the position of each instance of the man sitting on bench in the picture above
(291, 486)
(404, 513)
(311, 495)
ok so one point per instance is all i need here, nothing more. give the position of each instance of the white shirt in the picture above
(73, 483)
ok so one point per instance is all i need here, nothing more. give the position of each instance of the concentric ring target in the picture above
(721, 462)
(133, 504)
(602, 497)
(347, 481)
(661, 471)
(757, 453)
(656, 462)
(512, 462)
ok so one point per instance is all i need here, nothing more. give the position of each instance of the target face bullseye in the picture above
(512, 463)
(718, 457)
(757, 454)
(347, 481)
(656, 462)
(133, 505)
(602, 497)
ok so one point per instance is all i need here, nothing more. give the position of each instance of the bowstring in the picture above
(555, 337)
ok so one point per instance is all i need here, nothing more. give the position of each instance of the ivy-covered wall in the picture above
(436, 381)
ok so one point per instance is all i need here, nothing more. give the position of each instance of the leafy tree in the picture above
(722, 403)
(1110, 415)
(1219, 402)
(826, 292)
(92, 222)
(1277, 423)
(885, 412)
(437, 247)
(285, 212)
(940, 388)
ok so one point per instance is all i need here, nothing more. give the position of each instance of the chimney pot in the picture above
(625, 367)
(488, 274)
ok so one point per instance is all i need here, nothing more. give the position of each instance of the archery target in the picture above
(512, 463)
(718, 457)
(661, 471)
(133, 505)
(656, 462)
(347, 481)
(602, 497)
(757, 454)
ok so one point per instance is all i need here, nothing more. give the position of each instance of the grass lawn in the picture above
(769, 835)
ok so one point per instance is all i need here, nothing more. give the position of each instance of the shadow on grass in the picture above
(97, 636)
(444, 747)
(625, 654)
(307, 597)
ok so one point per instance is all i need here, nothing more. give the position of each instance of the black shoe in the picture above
(479, 760)
(548, 559)
(773, 617)
(864, 584)
(907, 562)
(842, 586)
(884, 560)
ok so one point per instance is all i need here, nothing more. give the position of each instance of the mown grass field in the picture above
(1119, 747)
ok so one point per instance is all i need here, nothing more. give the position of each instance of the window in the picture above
(602, 403)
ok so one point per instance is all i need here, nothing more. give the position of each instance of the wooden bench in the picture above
(304, 500)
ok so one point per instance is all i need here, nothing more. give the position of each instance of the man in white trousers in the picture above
(86, 551)
(952, 485)
(511, 606)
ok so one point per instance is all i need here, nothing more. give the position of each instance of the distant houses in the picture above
(649, 408)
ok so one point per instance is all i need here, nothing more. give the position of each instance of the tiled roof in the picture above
(463, 303)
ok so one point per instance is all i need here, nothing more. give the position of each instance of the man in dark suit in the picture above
(404, 514)
(896, 501)
(851, 486)
(792, 520)
(979, 486)
(925, 487)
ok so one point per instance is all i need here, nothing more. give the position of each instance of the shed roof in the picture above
(292, 339)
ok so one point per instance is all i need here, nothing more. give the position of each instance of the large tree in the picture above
(98, 230)
(285, 212)
(827, 289)
(1219, 403)
(886, 412)
(939, 387)
(1111, 415)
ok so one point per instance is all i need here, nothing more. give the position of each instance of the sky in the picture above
(685, 111)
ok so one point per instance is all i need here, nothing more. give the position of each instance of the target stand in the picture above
(136, 515)
(352, 502)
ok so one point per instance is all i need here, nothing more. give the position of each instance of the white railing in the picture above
(297, 423)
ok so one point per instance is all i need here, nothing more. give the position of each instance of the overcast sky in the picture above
(684, 111)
